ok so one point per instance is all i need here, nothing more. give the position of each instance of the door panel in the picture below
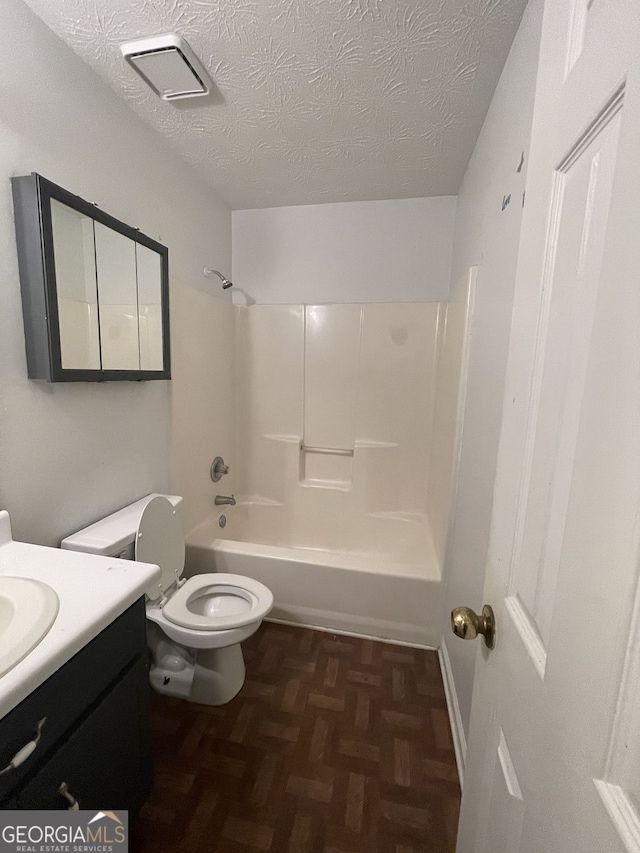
(619, 786)
(580, 203)
(507, 807)
(560, 690)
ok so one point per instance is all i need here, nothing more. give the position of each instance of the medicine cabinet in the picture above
(95, 292)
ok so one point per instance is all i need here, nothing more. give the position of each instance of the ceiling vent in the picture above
(169, 66)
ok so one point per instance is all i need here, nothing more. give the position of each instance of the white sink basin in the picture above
(28, 609)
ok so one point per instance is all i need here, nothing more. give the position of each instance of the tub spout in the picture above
(225, 500)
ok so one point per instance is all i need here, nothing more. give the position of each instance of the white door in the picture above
(553, 763)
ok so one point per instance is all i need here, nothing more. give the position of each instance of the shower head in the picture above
(225, 281)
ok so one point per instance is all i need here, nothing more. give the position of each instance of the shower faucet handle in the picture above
(218, 469)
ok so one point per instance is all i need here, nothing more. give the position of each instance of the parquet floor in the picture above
(334, 745)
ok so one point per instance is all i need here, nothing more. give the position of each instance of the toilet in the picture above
(195, 626)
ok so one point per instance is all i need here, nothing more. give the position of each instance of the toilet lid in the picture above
(160, 540)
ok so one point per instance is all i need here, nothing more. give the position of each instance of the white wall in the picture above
(487, 235)
(71, 452)
(370, 251)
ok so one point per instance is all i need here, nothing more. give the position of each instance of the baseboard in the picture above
(457, 729)
(359, 626)
(344, 633)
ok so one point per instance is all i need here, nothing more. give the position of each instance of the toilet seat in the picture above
(210, 602)
(194, 639)
(217, 602)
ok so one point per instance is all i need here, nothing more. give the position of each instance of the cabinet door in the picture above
(118, 299)
(76, 287)
(98, 665)
(105, 763)
(150, 304)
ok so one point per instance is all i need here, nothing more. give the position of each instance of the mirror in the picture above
(117, 288)
(149, 267)
(77, 291)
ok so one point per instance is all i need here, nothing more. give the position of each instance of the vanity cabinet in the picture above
(103, 759)
(95, 739)
(95, 293)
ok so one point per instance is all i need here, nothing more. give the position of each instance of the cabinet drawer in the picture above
(105, 763)
(69, 692)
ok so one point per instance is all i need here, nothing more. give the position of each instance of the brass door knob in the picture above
(466, 624)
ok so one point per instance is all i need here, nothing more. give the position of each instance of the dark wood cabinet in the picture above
(95, 739)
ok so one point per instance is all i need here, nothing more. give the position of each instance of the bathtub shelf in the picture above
(326, 467)
(328, 451)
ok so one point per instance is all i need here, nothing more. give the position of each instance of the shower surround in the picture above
(335, 414)
(341, 422)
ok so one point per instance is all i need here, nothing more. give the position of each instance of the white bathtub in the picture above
(389, 588)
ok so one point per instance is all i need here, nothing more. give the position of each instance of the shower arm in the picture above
(225, 281)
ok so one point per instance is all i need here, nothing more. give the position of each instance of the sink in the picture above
(28, 608)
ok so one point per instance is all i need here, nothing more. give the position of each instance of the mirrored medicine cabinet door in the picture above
(96, 307)
(77, 288)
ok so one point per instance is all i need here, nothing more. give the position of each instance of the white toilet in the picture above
(196, 625)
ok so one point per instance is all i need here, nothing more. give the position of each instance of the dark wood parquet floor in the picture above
(333, 745)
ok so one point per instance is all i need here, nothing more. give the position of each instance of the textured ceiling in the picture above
(317, 100)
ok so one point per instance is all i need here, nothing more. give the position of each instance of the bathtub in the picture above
(383, 581)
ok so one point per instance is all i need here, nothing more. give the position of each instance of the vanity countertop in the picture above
(92, 591)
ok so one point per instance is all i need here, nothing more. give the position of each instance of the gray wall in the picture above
(72, 452)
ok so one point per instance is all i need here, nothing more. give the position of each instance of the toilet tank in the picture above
(114, 536)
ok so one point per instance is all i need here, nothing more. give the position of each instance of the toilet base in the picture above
(206, 676)
(219, 675)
